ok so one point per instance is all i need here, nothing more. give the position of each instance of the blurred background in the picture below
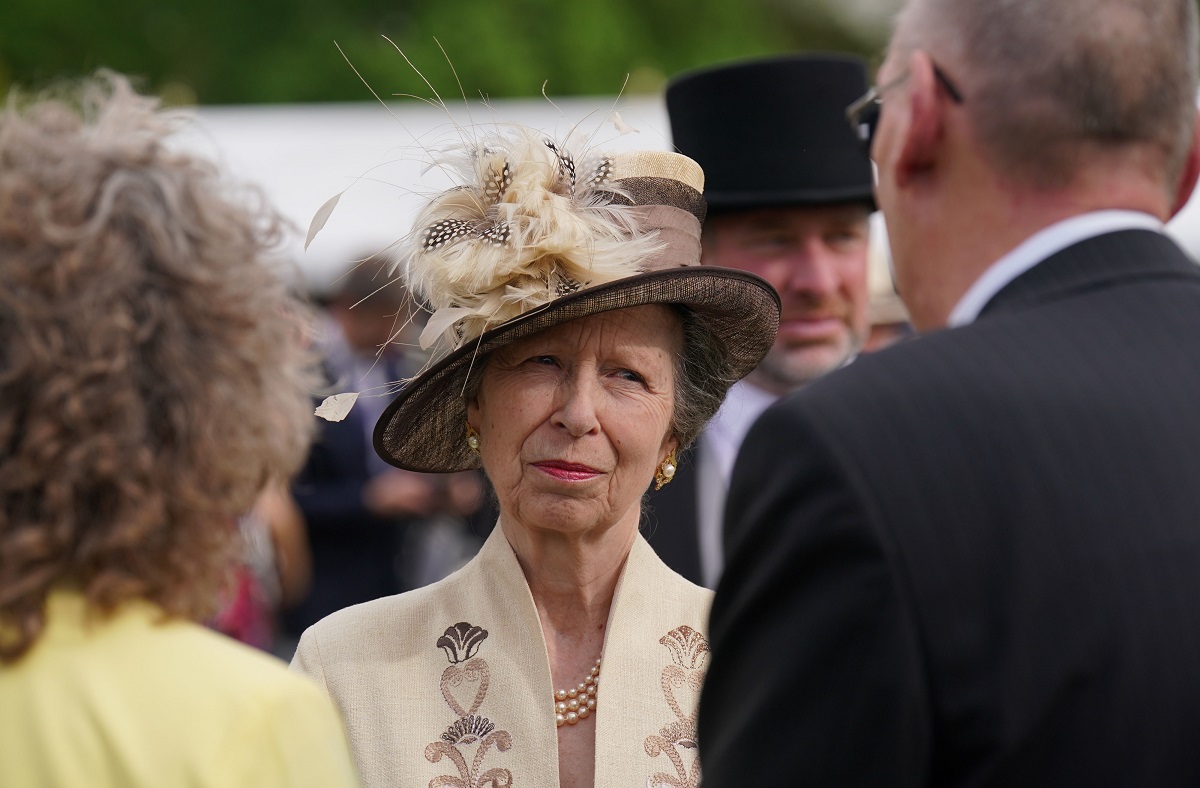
(281, 51)
(280, 106)
(308, 100)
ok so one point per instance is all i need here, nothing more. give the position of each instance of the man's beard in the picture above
(787, 369)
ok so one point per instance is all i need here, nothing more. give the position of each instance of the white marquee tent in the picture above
(302, 155)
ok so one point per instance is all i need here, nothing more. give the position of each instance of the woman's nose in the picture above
(577, 411)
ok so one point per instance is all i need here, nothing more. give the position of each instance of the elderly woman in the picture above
(587, 350)
(152, 377)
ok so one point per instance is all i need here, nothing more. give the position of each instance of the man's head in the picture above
(1000, 116)
(816, 257)
(373, 309)
(789, 194)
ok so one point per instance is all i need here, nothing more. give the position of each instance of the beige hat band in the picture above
(678, 230)
(658, 164)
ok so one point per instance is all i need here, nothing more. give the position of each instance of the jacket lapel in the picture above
(493, 687)
(1102, 261)
(655, 657)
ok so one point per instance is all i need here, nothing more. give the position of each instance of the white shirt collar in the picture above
(1038, 247)
(742, 407)
(715, 455)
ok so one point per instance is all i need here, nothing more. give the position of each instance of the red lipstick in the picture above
(567, 471)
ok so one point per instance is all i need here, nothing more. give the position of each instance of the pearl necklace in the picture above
(577, 703)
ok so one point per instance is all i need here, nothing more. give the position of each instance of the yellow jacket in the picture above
(135, 700)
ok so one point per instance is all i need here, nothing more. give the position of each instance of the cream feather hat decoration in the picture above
(536, 234)
(528, 225)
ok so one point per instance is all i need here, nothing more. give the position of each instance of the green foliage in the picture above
(229, 51)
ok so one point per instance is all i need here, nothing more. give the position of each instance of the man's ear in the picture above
(1191, 171)
(922, 126)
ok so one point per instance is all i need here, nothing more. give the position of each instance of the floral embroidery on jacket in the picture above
(689, 652)
(464, 686)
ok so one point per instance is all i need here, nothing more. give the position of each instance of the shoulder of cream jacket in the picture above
(453, 681)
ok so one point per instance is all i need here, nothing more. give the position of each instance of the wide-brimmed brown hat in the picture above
(536, 237)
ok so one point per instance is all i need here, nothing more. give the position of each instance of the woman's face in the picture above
(574, 420)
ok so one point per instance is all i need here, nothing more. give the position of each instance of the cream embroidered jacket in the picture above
(450, 685)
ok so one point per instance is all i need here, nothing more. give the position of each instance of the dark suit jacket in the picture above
(669, 523)
(974, 559)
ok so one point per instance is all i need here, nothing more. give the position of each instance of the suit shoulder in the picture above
(940, 367)
(936, 384)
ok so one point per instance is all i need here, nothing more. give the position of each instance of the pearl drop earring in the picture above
(666, 470)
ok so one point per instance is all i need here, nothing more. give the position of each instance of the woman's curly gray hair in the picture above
(153, 364)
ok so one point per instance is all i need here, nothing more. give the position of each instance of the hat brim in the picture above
(725, 201)
(424, 427)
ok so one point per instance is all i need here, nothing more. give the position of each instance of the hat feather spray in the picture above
(528, 220)
(525, 225)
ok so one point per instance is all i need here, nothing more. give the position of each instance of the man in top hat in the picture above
(789, 195)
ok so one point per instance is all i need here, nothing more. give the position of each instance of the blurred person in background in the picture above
(152, 379)
(789, 198)
(368, 522)
(971, 559)
(886, 313)
(274, 573)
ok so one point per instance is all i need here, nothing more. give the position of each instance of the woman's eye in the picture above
(631, 376)
(544, 360)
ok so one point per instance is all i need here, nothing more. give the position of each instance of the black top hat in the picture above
(773, 131)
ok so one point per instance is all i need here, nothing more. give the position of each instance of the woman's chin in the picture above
(564, 514)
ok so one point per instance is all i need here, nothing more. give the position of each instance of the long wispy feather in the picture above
(530, 221)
